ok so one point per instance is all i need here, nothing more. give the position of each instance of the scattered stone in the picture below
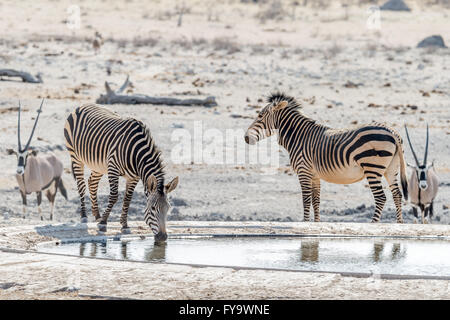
(432, 41)
(395, 5)
(350, 84)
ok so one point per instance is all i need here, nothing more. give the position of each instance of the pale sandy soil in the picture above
(239, 60)
(311, 58)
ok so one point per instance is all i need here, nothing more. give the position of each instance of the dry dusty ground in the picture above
(238, 59)
(344, 73)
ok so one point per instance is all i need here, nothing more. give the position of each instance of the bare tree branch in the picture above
(25, 76)
(113, 97)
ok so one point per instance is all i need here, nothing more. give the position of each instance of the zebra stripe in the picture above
(338, 156)
(109, 144)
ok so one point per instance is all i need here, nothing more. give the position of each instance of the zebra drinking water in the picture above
(338, 156)
(109, 144)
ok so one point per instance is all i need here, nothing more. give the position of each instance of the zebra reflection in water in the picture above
(310, 252)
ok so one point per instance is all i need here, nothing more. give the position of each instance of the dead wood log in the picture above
(114, 97)
(25, 76)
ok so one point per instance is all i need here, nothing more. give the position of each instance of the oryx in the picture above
(36, 173)
(423, 183)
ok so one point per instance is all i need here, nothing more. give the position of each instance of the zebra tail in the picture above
(403, 178)
(62, 188)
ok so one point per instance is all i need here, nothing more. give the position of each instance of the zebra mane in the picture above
(160, 172)
(281, 96)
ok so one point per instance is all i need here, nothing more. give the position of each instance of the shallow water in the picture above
(380, 256)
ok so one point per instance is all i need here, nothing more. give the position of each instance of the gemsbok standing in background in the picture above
(423, 183)
(36, 172)
(108, 144)
(338, 156)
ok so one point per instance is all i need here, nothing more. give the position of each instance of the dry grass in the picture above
(273, 11)
(333, 51)
(225, 44)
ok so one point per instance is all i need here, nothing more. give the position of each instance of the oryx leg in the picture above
(316, 198)
(24, 202)
(113, 195)
(52, 195)
(426, 214)
(306, 185)
(93, 182)
(39, 201)
(78, 174)
(131, 184)
(415, 213)
(430, 211)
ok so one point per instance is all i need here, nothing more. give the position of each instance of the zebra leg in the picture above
(131, 184)
(78, 174)
(397, 196)
(113, 195)
(93, 182)
(378, 194)
(39, 201)
(306, 185)
(316, 198)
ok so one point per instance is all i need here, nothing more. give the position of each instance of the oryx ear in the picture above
(171, 185)
(280, 105)
(11, 151)
(152, 184)
(409, 165)
(34, 152)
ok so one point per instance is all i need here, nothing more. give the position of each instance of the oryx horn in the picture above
(412, 149)
(426, 149)
(32, 131)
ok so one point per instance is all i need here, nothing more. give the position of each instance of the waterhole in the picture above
(360, 255)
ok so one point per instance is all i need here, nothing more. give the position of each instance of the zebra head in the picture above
(157, 206)
(264, 125)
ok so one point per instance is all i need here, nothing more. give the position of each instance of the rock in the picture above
(395, 5)
(432, 41)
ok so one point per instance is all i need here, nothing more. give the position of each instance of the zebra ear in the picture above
(171, 185)
(280, 105)
(152, 183)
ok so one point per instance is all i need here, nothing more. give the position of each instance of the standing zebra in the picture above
(337, 156)
(108, 144)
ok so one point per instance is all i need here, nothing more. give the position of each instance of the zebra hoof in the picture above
(84, 220)
(101, 227)
(126, 230)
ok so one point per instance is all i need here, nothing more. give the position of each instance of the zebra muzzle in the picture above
(249, 139)
(160, 237)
